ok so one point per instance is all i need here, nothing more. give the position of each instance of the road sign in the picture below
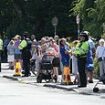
(55, 21)
(78, 19)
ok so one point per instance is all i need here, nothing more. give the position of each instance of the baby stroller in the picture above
(46, 67)
(101, 79)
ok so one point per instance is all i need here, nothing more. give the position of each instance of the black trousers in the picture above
(26, 67)
(81, 70)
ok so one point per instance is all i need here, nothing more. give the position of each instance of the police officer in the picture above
(81, 54)
(1, 49)
(25, 47)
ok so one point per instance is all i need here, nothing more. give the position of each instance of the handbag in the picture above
(99, 59)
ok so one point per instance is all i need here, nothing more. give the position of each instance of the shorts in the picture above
(17, 56)
(56, 62)
(90, 67)
(10, 58)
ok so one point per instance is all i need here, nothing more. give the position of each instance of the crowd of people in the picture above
(78, 55)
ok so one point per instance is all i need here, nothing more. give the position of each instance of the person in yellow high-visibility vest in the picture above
(25, 46)
(81, 54)
(1, 49)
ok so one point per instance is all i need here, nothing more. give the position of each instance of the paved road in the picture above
(32, 80)
(14, 93)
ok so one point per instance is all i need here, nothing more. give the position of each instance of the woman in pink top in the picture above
(56, 60)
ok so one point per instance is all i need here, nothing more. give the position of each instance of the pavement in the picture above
(7, 73)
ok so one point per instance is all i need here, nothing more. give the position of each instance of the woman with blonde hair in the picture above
(74, 62)
(17, 40)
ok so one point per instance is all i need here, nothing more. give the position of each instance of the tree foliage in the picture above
(92, 15)
(34, 16)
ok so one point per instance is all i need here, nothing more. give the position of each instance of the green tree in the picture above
(92, 15)
(34, 16)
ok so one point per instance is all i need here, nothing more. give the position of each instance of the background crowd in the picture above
(78, 55)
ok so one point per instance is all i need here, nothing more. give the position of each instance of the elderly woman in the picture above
(100, 55)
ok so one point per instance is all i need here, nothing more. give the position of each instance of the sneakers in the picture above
(81, 86)
(90, 81)
(55, 78)
(26, 75)
(75, 82)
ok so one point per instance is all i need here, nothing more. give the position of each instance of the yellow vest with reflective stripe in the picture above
(1, 44)
(82, 50)
(23, 44)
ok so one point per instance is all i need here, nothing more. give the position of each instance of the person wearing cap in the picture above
(25, 47)
(100, 55)
(81, 54)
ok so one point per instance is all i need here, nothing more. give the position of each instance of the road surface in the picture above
(15, 93)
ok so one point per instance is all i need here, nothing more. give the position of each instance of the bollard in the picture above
(66, 76)
(18, 69)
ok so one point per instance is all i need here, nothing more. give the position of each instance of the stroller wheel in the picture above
(103, 82)
(95, 89)
(39, 78)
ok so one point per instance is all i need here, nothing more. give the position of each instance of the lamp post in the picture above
(55, 23)
(78, 24)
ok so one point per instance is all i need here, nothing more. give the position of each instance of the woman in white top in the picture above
(100, 55)
(11, 54)
(37, 56)
(74, 62)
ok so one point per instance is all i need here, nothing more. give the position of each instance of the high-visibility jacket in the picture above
(1, 44)
(23, 44)
(82, 49)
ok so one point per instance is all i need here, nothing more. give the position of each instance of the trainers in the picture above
(81, 86)
(90, 81)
